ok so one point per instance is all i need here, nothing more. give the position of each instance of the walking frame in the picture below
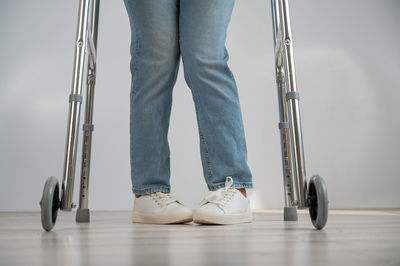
(297, 194)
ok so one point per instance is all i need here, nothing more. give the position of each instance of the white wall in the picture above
(348, 66)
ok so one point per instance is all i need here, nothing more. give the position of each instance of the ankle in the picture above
(243, 191)
(137, 196)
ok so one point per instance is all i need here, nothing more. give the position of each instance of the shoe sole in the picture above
(164, 218)
(203, 217)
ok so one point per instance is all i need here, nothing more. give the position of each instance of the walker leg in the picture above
(83, 213)
(316, 197)
(86, 39)
(75, 100)
(289, 99)
(292, 98)
(290, 211)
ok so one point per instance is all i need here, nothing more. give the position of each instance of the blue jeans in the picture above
(162, 31)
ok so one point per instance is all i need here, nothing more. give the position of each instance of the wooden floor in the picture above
(356, 237)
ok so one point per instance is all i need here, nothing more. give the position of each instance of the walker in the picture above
(297, 196)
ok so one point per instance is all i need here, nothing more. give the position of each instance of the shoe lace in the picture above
(162, 198)
(223, 195)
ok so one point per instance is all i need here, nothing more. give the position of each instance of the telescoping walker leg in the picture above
(290, 211)
(83, 214)
(297, 195)
(86, 40)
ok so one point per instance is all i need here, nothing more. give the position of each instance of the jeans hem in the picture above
(216, 186)
(143, 191)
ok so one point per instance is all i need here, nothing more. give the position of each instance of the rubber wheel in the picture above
(50, 203)
(318, 201)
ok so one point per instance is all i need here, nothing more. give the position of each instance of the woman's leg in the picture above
(154, 67)
(202, 30)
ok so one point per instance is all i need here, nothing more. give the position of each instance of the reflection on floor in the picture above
(351, 237)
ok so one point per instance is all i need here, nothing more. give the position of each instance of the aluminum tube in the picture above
(91, 81)
(294, 110)
(74, 107)
(284, 132)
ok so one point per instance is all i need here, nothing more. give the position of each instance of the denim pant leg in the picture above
(154, 67)
(202, 29)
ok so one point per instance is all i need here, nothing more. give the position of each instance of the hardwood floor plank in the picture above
(352, 237)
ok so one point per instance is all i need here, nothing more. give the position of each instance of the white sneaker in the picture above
(226, 205)
(160, 208)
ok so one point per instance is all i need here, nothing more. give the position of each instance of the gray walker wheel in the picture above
(50, 203)
(318, 201)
